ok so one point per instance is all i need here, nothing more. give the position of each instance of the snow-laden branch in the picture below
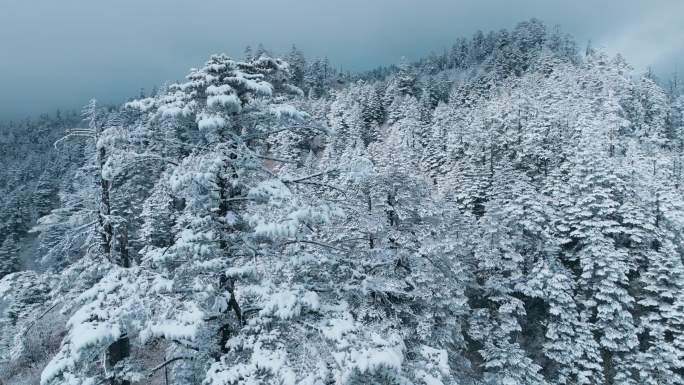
(308, 176)
(41, 317)
(58, 141)
(325, 245)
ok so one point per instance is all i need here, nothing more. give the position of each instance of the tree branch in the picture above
(172, 360)
(186, 345)
(323, 185)
(41, 317)
(313, 243)
(308, 176)
(68, 136)
(275, 159)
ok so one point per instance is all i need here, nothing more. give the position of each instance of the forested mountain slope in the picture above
(32, 175)
(509, 212)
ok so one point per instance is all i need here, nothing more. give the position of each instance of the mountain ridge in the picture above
(507, 213)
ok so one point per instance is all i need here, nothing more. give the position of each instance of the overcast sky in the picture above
(60, 53)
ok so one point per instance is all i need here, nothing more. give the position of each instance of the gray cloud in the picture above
(58, 54)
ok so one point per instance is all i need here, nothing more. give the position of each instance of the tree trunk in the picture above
(120, 349)
(117, 352)
(226, 192)
(105, 210)
(124, 257)
(371, 241)
(392, 215)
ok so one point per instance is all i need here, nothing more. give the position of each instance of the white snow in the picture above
(223, 89)
(338, 327)
(210, 122)
(184, 324)
(230, 103)
(438, 357)
(288, 111)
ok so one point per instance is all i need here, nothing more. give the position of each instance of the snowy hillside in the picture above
(509, 212)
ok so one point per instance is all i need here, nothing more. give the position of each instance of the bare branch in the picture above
(308, 176)
(186, 345)
(323, 185)
(137, 158)
(275, 159)
(41, 317)
(236, 199)
(172, 360)
(313, 243)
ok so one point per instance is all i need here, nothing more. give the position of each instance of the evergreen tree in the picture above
(9, 256)
(298, 66)
(405, 79)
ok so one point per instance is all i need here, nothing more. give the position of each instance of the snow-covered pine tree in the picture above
(9, 256)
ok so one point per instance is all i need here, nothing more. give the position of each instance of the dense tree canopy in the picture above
(509, 212)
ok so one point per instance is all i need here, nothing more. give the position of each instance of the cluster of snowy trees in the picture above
(510, 212)
(29, 182)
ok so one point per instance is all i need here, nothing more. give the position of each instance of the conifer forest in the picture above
(507, 212)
